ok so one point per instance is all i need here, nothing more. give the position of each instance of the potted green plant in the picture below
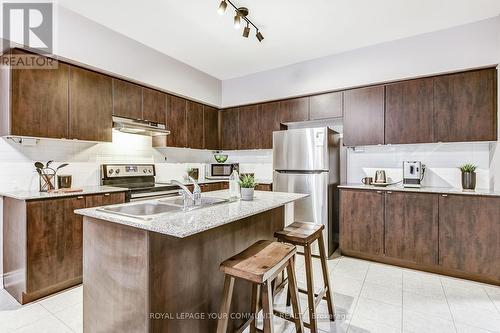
(247, 184)
(468, 176)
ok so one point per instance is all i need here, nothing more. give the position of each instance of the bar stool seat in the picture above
(305, 234)
(260, 264)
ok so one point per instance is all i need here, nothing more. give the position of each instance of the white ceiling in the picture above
(192, 31)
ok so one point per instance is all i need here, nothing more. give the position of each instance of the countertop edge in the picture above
(30, 196)
(427, 189)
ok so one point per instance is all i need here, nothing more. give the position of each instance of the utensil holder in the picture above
(47, 181)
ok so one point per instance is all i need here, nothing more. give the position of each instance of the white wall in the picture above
(441, 159)
(82, 40)
(463, 47)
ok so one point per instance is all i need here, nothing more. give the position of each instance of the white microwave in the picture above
(221, 170)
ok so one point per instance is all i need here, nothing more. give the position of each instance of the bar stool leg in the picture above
(255, 307)
(292, 284)
(326, 278)
(267, 305)
(226, 304)
(310, 289)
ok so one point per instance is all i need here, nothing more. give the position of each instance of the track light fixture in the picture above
(240, 13)
(222, 7)
(246, 31)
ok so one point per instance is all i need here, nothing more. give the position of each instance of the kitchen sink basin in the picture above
(144, 210)
(148, 210)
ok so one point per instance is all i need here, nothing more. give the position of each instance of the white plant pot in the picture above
(247, 194)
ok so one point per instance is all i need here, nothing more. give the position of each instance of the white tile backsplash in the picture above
(441, 159)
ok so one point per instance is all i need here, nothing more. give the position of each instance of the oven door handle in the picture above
(153, 195)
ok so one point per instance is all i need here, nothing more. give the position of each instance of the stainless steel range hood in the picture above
(141, 127)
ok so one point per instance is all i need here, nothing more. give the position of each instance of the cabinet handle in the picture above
(379, 192)
(444, 195)
(389, 192)
(79, 197)
(106, 194)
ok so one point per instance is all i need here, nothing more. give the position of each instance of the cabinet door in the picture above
(54, 243)
(176, 121)
(194, 125)
(229, 121)
(364, 116)
(210, 128)
(409, 112)
(97, 200)
(465, 106)
(154, 105)
(127, 99)
(469, 234)
(40, 102)
(294, 110)
(326, 106)
(90, 106)
(269, 121)
(362, 224)
(411, 227)
(249, 127)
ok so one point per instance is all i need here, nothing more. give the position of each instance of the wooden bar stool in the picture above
(305, 234)
(260, 264)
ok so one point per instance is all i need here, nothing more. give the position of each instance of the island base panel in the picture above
(142, 281)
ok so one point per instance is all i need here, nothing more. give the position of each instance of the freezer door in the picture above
(313, 208)
(301, 149)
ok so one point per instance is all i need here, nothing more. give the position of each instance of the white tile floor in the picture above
(369, 297)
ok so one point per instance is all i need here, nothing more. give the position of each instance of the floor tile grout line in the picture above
(449, 307)
(357, 298)
(491, 299)
(53, 314)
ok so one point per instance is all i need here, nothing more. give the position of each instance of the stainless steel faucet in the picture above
(189, 199)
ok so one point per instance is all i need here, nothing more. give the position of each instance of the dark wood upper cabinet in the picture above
(294, 110)
(364, 116)
(465, 106)
(411, 227)
(194, 125)
(40, 102)
(154, 105)
(326, 106)
(210, 128)
(469, 234)
(362, 222)
(269, 121)
(176, 121)
(127, 99)
(90, 105)
(409, 112)
(249, 127)
(229, 121)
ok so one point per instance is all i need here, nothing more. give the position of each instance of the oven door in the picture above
(143, 196)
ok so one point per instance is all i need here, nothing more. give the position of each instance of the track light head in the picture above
(246, 31)
(222, 7)
(259, 36)
(237, 21)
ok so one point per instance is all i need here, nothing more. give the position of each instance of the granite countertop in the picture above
(35, 195)
(423, 189)
(183, 224)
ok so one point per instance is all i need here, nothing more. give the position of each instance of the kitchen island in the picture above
(162, 274)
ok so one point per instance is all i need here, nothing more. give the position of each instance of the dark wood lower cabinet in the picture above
(362, 226)
(457, 235)
(469, 235)
(411, 227)
(43, 244)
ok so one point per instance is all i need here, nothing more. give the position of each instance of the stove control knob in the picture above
(149, 171)
(144, 170)
(110, 171)
(117, 171)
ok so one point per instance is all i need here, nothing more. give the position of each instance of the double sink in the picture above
(148, 210)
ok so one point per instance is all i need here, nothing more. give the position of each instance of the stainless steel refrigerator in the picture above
(307, 160)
